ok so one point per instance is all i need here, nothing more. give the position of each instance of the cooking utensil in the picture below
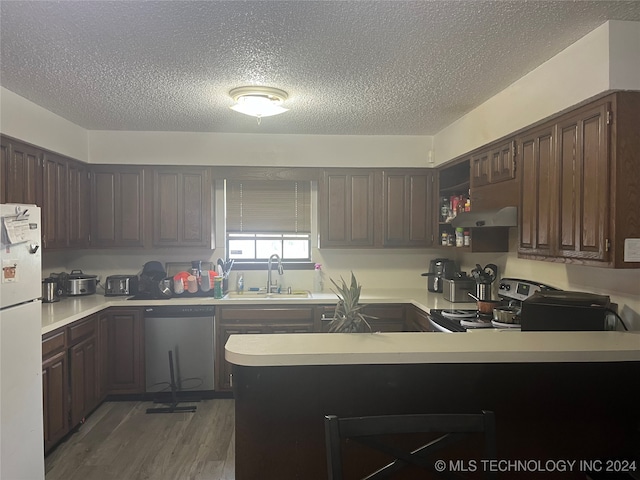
(485, 306)
(506, 314)
(491, 272)
(484, 277)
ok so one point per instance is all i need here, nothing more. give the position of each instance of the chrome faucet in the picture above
(271, 288)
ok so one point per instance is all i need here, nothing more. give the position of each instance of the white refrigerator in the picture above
(21, 419)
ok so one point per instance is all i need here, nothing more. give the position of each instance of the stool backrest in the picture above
(367, 430)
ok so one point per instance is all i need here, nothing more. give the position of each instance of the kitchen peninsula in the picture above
(555, 395)
(569, 395)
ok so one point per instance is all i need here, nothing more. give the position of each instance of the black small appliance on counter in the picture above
(439, 269)
(149, 283)
(567, 311)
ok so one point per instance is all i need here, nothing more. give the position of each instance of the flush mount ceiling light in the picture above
(258, 101)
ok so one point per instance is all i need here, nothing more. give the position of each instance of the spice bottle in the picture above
(459, 237)
(467, 238)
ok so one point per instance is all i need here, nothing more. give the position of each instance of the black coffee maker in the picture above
(439, 269)
(149, 283)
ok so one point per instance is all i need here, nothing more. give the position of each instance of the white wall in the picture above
(24, 120)
(575, 74)
(259, 149)
(608, 58)
(624, 55)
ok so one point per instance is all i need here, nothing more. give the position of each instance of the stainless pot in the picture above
(80, 284)
(506, 314)
(485, 306)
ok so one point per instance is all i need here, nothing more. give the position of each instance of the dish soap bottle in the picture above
(239, 282)
(318, 279)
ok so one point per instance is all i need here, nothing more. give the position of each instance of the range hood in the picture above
(503, 217)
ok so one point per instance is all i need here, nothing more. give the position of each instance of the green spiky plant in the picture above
(347, 317)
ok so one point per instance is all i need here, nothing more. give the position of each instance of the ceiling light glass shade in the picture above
(258, 101)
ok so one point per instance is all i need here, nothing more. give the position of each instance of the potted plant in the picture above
(347, 317)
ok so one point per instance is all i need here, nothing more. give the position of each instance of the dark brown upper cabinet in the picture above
(118, 206)
(21, 173)
(55, 205)
(79, 204)
(537, 151)
(346, 208)
(409, 197)
(182, 207)
(580, 176)
(390, 208)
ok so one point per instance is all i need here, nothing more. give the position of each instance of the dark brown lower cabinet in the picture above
(103, 355)
(55, 393)
(388, 317)
(294, 319)
(255, 320)
(86, 360)
(417, 320)
(125, 351)
(84, 380)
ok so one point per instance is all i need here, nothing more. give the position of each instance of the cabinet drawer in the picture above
(382, 311)
(53, 343)
(81, 329)
(386, 312)
(260, 314)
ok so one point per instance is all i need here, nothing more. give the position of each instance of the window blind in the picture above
(269, 206)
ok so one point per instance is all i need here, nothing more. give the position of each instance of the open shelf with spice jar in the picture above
(454, 198)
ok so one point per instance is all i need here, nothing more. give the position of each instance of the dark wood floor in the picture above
(119, 441)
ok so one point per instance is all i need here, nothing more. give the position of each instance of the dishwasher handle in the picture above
(179, 311)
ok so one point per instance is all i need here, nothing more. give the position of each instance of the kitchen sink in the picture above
(267, 296)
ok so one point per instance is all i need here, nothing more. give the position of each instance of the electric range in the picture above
(512, 292)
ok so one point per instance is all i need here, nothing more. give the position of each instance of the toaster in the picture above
(117, 285)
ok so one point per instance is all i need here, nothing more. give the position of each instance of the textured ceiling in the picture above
(350, 67)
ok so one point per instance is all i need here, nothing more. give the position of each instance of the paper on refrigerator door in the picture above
(9, 271)
(15, 230)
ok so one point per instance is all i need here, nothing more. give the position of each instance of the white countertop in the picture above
(478, 346)
(70, 309)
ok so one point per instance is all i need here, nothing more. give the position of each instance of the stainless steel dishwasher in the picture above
(186, 331)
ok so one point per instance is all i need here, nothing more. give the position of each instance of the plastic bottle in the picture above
(318, 280)
(240, 282)
(459, 237)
